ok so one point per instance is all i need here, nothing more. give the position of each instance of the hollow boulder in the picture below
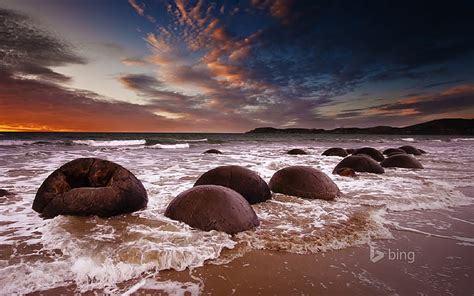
(410, 150)
(212, 207)
(401, 161)
(372, 152)
(360, 163)
(335, 151)
(90, 186)
(212, 151)
(305, 182)
(246, 182)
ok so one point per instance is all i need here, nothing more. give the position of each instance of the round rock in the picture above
(4, 192)
(336, 151)
(360, 163)
(246, 182)
(393, 151)
(372, 152)
(90, 186)
(211, 207)
(212, 151)
(305, 182)
(297, 152)
(401, 161)
(410, 150)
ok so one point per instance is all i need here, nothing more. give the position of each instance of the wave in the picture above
(462, 139)
(31, 142)
(166, 141)
(110, 143)
(190, 140)
(170, 146)
(408, 139)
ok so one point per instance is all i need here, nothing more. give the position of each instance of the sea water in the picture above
(94, 253)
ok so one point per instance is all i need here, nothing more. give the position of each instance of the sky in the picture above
(231, 66)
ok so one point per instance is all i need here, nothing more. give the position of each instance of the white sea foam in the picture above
(408, 139)
(170, 146)
(111, 143)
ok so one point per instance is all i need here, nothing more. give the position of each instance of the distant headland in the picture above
(447, 126)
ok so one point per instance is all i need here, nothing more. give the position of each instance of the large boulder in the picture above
(90, 186)
(305, 182)
(297, 152)
(212, 207)
(246, 182)
(360, 163)
(401, 161)
(410, 150)
(393, 151)
(212, 151)
(372, 152)
(336, 151)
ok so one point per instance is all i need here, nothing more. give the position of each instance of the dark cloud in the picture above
(28, 50)
(443, 83)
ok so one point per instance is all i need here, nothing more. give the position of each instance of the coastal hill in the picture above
(448, 126)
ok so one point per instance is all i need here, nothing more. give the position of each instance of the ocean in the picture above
(124, 253)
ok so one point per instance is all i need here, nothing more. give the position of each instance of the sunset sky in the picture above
(230, 66)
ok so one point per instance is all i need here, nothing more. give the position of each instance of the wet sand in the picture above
(439, 266)
(430, 254)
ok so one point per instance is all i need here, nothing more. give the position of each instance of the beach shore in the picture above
(430, 254)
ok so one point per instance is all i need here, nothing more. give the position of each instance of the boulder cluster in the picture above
(371, 160)
(220, 199)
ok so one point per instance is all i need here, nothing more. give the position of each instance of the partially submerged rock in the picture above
(305, 182)
(4, 192)
(212, 207)
(372, 152)
(360, 163)
(297, 152)
(246, 182)
(212, 151)
(410, 150)
(393, 151)
(401, 161)
(335, 151)
(90, 186)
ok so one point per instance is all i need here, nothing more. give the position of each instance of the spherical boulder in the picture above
(305, 182)
(360, 163)
(212, 207)
(336, 151)
(393, 151)
(350, 150)
(212, 151)
(410, 150)
(401, 161)
(246, 182)
(90, 186)
(372, 152)
(297, 152)
(346, 172)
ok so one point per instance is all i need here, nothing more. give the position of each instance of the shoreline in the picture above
(441, 263)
